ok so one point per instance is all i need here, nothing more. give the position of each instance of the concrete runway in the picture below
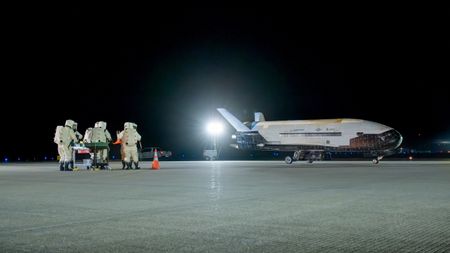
(228, 207)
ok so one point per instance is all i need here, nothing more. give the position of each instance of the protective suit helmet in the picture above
(101, 124)
(128, 125)
(70, 123)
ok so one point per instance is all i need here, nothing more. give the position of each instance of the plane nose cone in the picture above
(398, 138)
(392, 139)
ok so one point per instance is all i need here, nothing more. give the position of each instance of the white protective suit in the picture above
(129, 138)
(64, 137)
(100, 134)
(122, 152)
(77, 134)
(87, 135)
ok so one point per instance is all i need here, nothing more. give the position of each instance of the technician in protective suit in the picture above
(77, 134)
(79, 137)
(100, 134)
(129, 138)
(87, 135)
(122, 153)
(65, 137)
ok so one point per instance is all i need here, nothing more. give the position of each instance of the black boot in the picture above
(123, 164)
(71, 165)
(66, 166)
(61, 166)
(136, 166)
(129, 166)
(69, 168)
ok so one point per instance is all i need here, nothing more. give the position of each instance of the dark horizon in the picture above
(167, 70)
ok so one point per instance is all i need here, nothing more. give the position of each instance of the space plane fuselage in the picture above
(327, 135)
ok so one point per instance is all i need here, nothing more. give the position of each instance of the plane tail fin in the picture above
(259, 117)
(237, 124)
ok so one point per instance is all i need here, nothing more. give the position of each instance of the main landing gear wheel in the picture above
(288, 159)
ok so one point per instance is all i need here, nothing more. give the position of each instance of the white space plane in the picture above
(311, 139)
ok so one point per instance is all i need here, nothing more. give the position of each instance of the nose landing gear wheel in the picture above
(376, 160)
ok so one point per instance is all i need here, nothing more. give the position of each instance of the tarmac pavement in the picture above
(220, 206)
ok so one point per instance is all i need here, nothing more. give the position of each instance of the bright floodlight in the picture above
(214, 128)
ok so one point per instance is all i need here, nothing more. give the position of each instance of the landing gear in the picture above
(377, 160)
(313, 156)
(295, 157)
(309, 156)
(288, 159)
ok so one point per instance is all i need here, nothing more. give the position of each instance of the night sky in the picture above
(168, 69)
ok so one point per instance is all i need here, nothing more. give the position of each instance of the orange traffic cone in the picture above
(155, 163)
(118, 141)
